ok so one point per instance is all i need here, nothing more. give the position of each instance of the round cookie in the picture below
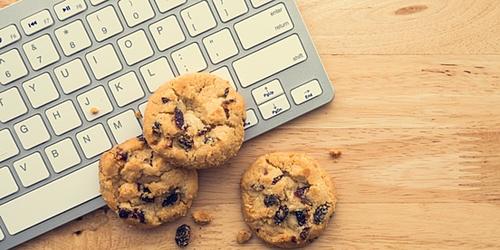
(287, 199)
(195, 121)
(142, 187)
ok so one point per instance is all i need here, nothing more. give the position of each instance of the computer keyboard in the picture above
(74, 73)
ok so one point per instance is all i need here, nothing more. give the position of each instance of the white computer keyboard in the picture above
(73, 74)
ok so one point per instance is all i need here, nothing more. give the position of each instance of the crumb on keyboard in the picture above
(335, 154)
(94, 111)
(244, 235)
(202, 217)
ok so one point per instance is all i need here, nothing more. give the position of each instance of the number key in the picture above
(11, 67)
(73, 38)
(136, 11)
(41, 52)
(104, 23)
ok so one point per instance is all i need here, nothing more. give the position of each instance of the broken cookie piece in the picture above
(202, 217)
(243, 236)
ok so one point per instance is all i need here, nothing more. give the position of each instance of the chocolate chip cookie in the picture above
(287, 198)
(142, 187)
(195, 121)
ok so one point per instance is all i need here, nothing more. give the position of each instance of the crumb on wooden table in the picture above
(138, 114)
(202, 217)
(94, 110)
(335, 154)
(243, 236)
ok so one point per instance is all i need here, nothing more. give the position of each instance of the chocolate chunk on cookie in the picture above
(287, 198)
(195, 121)
(142, 187)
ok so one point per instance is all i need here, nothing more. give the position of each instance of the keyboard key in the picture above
(136, 11)
(278, 57)
(220, 46)
(135, 47)
(11, 67)
(126, 89)
(62, 155)
(9, 146)
(167, 33)
(125, 126)
(271, 22)
(198, 18)
(32, 132)
(251, 119)
(189, 59)
(274, 107)
(166, 5)
(69, 8)
(95, 99)
(37, 22)
(156, 73)
(72, 76)
(229, 10)
(306, 92)
(104, 23)
(31, 169)
(73, 38)
(79, 187)
(267, 91)
(41, 52)
(63, 117)
(1, 235)
(258, 3)
(11, 105)
(224, 74)
(104, 62)
(9, 185)
(97, 2)
(93, 141)
(40, 90)
(9, 35)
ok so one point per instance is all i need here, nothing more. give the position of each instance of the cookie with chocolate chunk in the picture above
(142, 187)
(195, 121)
(287, 199)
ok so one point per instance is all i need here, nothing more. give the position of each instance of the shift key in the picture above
(270, 60)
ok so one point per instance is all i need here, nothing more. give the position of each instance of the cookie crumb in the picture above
(244, 236)
(335, 154)
(94, 110)
(138, 114)
(202, 217)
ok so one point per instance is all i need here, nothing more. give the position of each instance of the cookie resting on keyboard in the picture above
(287, 199)
(195, 121)
(142, 188)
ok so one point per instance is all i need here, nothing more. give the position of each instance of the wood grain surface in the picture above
(416, 116)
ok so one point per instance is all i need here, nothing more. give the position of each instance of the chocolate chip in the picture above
(123, 213)
(179, 118)
(121, 156)
(305, 233)
(257, 187)
(301, 192)
(140, 216)
(141, 138)
(146, 195)
(205, 130)
(171, 198)
(320, 213)
(165, 100)
(226, 109)
(281, 214)
(182, 235)
(157, 129)
(277, 178)
(301, 217)
(208, 140)
(293, 239)
(271, 200)
(185, 142)
(226, 92)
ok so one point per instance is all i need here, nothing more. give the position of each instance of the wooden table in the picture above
(417, 118)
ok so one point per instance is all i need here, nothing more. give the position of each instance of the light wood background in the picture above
(416, 116)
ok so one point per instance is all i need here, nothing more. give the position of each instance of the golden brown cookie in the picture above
(195, 121)
(142, 188)
(287, 199)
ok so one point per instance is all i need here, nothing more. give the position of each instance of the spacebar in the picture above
(51, 199)
(270, 60)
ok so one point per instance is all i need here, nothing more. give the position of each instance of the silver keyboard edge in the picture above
(11, 15)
